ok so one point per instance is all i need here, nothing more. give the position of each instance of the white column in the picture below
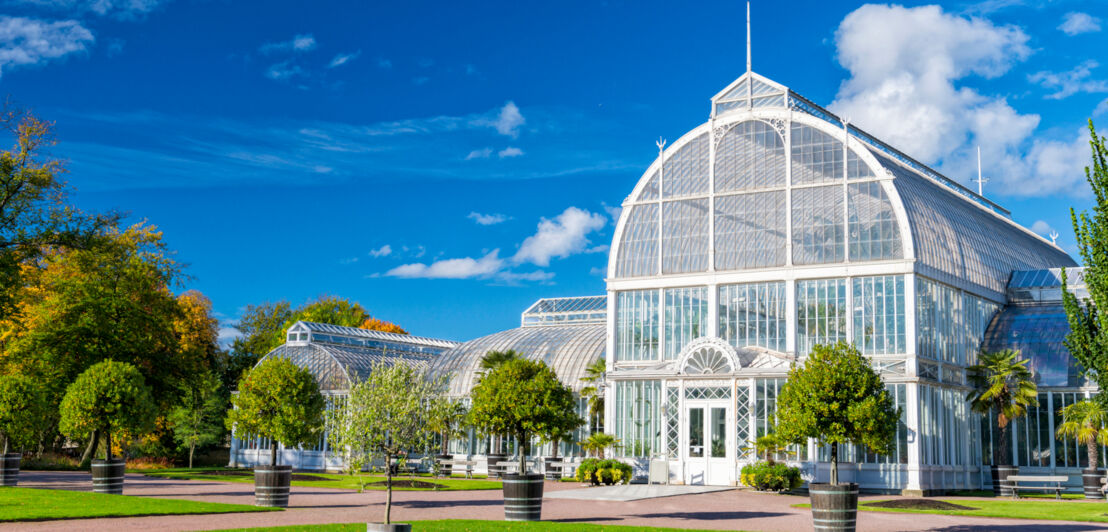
(712, 328)
(912, 418)
(790, 316)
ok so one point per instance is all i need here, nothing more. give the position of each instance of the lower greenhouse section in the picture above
(702, 431)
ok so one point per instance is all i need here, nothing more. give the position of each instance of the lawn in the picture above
(27, 504)
(452, 525)
(1053, 510)
(329, 480)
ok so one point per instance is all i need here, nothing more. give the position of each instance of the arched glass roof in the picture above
(339, 356)
(567, 349)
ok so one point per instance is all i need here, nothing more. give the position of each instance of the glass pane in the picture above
(719, 433)
(696, 433)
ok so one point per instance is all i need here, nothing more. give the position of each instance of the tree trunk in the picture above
(523, 444)
(192, 448)
(388, 488)
(273, 453)
(90, 451)
(1002, 448)
(834, 464)
(1093, 454)
(445, 443)
(108, 437)
(5, 453)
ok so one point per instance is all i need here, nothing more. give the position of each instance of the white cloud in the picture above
(506, 122)
(509, 152)
(299, 43)
(28, 41)
(1041, 227)
(1101, 108)
(535, 276)
(487, 219)
(227, 335)
(483, 153)
(462, 268)
(565, 235)
(382, 251)
(597, 270)
(906, 69)
(1075, 22)
(342, 59)
(283, 71)
(1070, 82)
(120, 9)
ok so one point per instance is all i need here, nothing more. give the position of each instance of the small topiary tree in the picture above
(280, 401)
(22, 411)
(836, 397)
(386, 415)
(108, 396)
(522, 398)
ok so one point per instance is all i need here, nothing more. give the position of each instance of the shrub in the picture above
(769, 476)
(150, 462)
(50, 462)
(605, 472)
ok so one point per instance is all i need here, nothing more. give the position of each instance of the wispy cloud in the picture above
(483, 153)
(283, 71)
(509, 152)
(382, 251)
(487, 219)
(506, 122)
(562, 236)
(1075, 23)
(1071, 82)
(118, 9)
(460, 268)
(299, 43)
(342, 59)
(29, 41)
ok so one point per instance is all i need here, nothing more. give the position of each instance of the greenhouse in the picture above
(775, 226)
(337, 356)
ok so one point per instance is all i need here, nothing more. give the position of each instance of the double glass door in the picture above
(708, 443)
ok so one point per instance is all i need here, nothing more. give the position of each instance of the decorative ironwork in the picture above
(673, 422)
(707, 392)
(742, 421)
(708, 356)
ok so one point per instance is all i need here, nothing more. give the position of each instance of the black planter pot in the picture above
(9, 469)
(446, 468)
(553, 472)
(493, 459)
(271, 485)
(1090, 479)
(834, 507)
(1000, 477)
(523, 497)
(391, 527)
(107, 475)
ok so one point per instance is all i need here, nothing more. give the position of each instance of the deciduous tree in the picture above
(109, 396)
(198, 420)
(280, 401)
(23, 409)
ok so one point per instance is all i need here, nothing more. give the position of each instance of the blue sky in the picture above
(446, 164)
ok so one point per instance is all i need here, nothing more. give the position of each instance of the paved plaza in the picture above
(724, 510)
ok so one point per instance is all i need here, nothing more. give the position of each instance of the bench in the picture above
(1044, 483)
(456, 466)
(563, 469)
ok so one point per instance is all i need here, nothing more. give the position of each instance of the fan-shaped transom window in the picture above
(707, 360)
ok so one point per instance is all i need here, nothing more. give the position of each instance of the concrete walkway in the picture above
(633, 492)
(721, 510)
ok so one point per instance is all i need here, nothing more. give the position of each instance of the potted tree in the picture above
(555, 438)
(522, 398)
(498, 451)
(22, 410)
(836, 398)
(1002, 384)
(280, 401)
(385, 416)
(1085, 421)
(448, 421)
(109, 396)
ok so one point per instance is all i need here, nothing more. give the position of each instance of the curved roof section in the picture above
(335, 367)
(1037, 332)
(961, 244)
(568, 349)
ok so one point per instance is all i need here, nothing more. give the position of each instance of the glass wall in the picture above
(685, 236)
(820, 313)
(638, 250)
(637, 325)
(750, 156)
(685, 317)
(816, 156)
(945, 426)
(977, 313)
(638, 417)
(937, 315)
(1033, 435)
(750, 230)
(879, 314)
(873, 231)
(753, 314)
(818, 225)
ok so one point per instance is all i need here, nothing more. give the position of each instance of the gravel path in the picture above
(725, 510)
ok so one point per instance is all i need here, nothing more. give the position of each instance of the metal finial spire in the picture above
(1054, 237)
(980, 180)
(748, 69)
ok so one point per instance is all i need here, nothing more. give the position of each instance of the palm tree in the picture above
(597, 442)
(594, 376)
(1003, 384)
(1085, 421)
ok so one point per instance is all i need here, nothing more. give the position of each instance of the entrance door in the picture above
(707, 443)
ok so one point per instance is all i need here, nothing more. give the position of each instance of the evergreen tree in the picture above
(1087, 340)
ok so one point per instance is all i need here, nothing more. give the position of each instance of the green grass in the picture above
(1025, 495)
(27, 504)
(459, 525)
(1052, 510)
(348, 482)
